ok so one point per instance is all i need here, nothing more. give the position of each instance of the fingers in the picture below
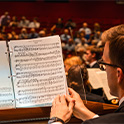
(72, 92)
(63, 100)
(71, 102)
(57, 99)
(69, 99)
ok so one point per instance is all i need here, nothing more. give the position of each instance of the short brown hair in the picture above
(93, 49)
(115, 37)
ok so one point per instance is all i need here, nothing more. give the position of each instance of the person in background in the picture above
(42, 33)
(70, 24)
(69, 62)
(96, 28)
(65, 36)
(77, 79)
(87, 30)
(23, 34)
(58, 26)
(113, 63)
(96, 38)
(92, 55)
(24, 23)
(14, 22)
(33, 33)
(34, 23)
(69, 47)
(77, 38)
(83, 44)
(14, 36)
(5, 20)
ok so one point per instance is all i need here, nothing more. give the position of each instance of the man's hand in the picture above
(61, 108)
(80, 111)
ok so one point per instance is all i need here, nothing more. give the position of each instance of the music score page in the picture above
(38, 71)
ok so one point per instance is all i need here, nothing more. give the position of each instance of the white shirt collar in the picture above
(121, 100)
(91, 64)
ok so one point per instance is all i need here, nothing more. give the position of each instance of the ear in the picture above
(120, 75)
(93, 55)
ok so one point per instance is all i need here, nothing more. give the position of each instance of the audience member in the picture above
(5, 19)
(23, 34)
(96, 38)
(14, 22)
(33, 33)
(96, 28)
(86, 29)
(9, 36)
(42, 33)
(70, 24)
(24, 23)
(70, 46)
(77, 38)
(58, 26)
(65, 36)
(112, 62)
(81, 52)
(34, 23)
(82, 45)
(14, 36)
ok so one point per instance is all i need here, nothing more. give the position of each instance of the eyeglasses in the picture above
(102, 65)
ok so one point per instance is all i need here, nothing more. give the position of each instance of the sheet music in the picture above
(98, 79)
(39, 69)
(94, 78)
(6, 89)
(103, 76)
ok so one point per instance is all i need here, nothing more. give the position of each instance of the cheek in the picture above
(112, 81)
(87, 57)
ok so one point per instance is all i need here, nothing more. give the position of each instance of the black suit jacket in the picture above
(113, 118)
(96, 65)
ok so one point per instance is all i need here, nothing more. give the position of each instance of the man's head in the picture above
(66, 31)
(114, 54)
(6, 13)
(85, 25)
(23, 30)
(60, 20)
(42, 33)
(92, 54)
(32, 30)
